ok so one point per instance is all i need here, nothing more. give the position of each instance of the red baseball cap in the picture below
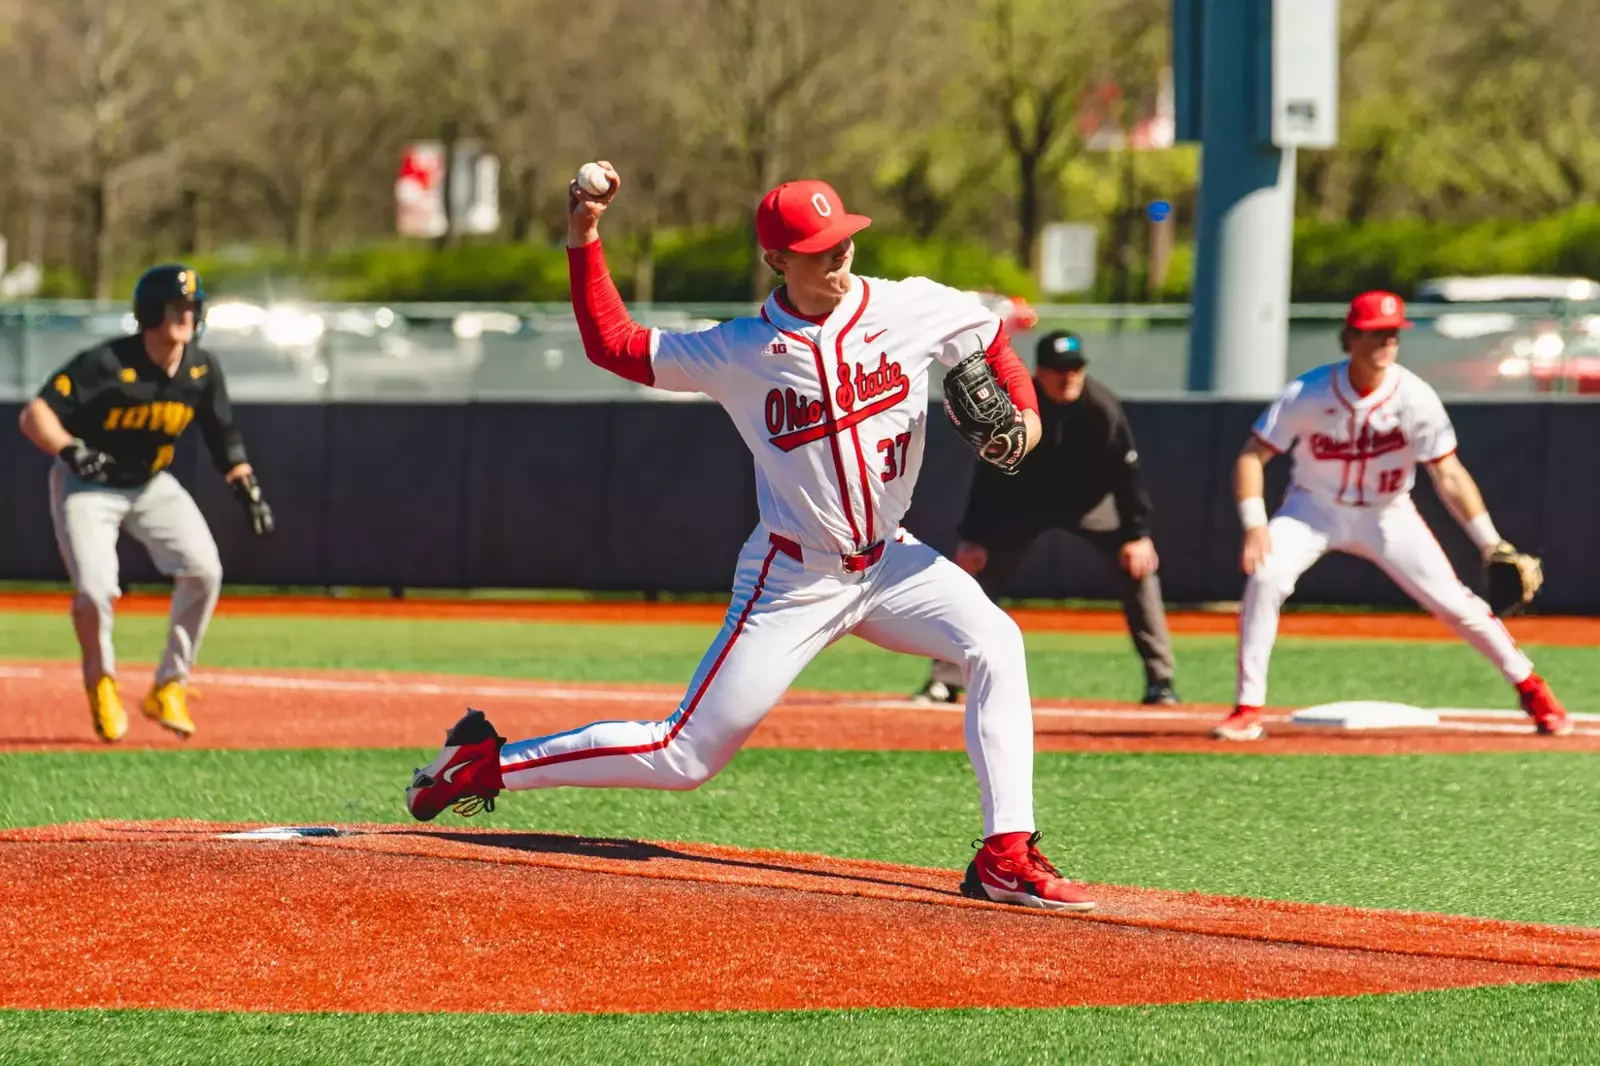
(804, 216)
(1377, 310)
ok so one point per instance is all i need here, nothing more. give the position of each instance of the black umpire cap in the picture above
(1061, 350)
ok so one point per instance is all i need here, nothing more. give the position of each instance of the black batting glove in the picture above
(248, 492)
(87, 463)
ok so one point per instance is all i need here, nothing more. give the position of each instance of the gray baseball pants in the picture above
(161, 516)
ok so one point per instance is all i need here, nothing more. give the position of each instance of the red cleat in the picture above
(465, 776)
(1018, 873)
(1243, 724)
(1549, 717)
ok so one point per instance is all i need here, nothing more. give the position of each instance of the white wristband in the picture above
(1252, 512)
(1482, 532)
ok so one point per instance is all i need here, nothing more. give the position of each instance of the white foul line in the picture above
(538, 691)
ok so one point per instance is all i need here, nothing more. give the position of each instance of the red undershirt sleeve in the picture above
(1010, 372)
(611, 339)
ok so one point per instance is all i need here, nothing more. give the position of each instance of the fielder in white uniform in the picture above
(828, 386)
(1357, 430)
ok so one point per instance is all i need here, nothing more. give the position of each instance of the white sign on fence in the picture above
(419, 190)
(1067, 257)
(1305, 73)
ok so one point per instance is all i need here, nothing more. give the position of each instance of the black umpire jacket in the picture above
(1085, 452)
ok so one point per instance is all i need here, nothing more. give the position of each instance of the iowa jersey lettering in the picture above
(115, 399)
(163, 416)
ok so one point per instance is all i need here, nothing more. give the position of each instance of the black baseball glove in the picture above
(87, 463)
(984, 415)
(1513, 577)
(248, 492)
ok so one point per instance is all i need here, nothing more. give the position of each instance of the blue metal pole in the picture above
(1238, 334)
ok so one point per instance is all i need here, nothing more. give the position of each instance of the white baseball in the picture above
(592, 179)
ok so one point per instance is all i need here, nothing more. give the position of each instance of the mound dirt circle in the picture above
(386, 918)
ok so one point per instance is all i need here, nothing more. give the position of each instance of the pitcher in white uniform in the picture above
(828, 386)
(1357, 430)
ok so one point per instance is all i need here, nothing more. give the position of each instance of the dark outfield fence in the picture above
(659, 496)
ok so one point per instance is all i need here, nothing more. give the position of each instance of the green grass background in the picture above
(1506, 835)
(1516, 1024)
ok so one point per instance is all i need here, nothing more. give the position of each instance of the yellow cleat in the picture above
(168, 705)
(105, 709)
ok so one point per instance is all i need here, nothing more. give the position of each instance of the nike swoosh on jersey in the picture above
(869, 338)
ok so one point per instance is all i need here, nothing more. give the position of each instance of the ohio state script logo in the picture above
(1367, 445)
(793, 418)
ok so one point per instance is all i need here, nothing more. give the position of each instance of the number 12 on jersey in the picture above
(889, 446)
(1389, 481)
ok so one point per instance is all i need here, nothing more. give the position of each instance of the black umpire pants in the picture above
(1141, 599)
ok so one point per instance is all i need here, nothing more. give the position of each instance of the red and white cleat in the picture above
(465, 776)
(1010, 869)
(1243, 724)
(1549, 717)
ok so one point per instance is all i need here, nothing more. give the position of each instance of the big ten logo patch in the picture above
(166, 417)
(776, 348)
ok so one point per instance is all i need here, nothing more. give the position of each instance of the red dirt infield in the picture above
(46, 710)
(1352, 625)
(396, 918)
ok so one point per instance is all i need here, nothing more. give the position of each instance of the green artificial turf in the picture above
(1304, 671)
(1522, 1024)
(1504, 835)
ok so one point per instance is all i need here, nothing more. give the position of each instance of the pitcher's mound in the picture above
(374, 918)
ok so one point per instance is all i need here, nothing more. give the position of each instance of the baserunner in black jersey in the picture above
(112, 417)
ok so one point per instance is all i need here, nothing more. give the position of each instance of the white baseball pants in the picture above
(1394, 537)
(783, 612)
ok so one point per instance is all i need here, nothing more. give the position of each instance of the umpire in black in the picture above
(1082, 477)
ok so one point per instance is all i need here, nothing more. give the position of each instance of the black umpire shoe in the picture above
(937, 692)
(1160, 696)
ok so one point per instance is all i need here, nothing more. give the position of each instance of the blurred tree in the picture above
(777, 88)
(1524, 76)
(319, 99)
(1040, 63)
(131, 132)
(108, 87)
(506, 67)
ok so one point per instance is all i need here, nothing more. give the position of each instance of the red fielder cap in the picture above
(1377, 310)
(805, 217)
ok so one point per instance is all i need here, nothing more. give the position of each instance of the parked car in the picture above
(267, 352)
(1540, 329)
(377, 354)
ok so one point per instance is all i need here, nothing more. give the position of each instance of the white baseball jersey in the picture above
(834, 414)
(1355, 450)
(1355, 462)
